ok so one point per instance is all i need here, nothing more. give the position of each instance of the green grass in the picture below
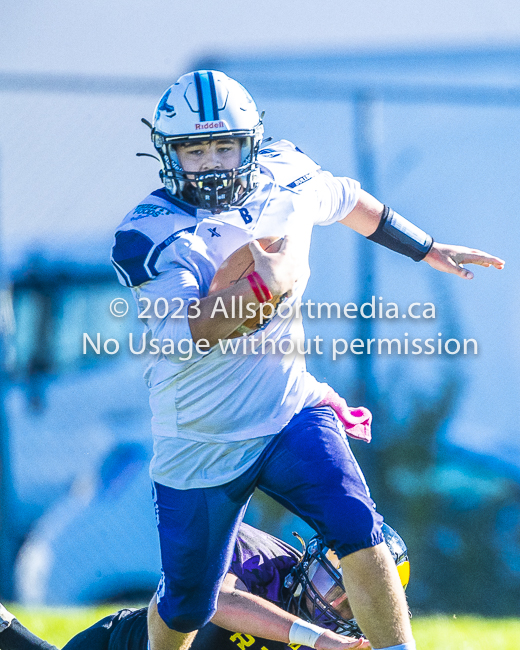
(466, 633)
(58, 625)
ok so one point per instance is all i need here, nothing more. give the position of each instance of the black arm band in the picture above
(398, 234)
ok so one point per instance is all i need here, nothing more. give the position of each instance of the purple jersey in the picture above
(260, 560)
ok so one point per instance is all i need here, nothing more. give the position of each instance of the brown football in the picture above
(237, 266)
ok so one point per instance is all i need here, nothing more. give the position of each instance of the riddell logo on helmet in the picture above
(209, 125)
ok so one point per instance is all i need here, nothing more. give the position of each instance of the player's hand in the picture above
(278, 270)
(331, 641)
(451, 259)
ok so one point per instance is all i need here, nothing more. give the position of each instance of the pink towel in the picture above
(356, 421)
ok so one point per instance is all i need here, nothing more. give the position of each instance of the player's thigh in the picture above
(313, 472)
(197, 532)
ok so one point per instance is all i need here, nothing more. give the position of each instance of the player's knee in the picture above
(185, 608)
(181, 614)
(362, 528)
(185, 623)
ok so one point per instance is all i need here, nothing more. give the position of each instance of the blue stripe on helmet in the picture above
(213, 95)
(200, 102)
(208, 109)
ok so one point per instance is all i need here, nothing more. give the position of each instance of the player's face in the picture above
(207, 155)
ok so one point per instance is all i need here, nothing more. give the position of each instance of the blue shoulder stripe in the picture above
(132, 257)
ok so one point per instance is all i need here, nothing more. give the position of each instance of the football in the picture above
(237, 266)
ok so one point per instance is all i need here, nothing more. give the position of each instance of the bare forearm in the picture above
(365, 217)
(240, 611)
(215, 320)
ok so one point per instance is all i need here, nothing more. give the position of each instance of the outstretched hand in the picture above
(331, 641)
(450, 259)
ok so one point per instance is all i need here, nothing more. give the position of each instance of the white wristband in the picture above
(304, 633)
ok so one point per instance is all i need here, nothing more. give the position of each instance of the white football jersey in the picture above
(235, 402)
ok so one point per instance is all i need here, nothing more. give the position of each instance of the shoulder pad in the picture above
(134, 257)
(144, 233)
(288, 165)
(154, 205)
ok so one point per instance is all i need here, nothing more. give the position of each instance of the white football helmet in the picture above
(205, 105)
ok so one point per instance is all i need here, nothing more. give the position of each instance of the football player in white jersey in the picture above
(225, 423)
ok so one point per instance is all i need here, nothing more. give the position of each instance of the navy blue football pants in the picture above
(308, 467)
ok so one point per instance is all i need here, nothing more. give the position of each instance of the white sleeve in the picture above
(337, 197)
(166, 301)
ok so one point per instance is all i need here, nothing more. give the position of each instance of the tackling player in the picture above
(266, 574)
(224, 424)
